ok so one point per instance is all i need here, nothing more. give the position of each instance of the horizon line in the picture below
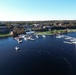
(36, 20)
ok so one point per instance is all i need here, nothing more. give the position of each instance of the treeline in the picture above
(18, 26)
(56, 24)
(53, 23)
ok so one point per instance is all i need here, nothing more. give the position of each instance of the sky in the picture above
(36, 10)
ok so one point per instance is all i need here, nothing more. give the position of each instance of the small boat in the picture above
(43, 36)
(58, 36)
(74, 42)
(16, 39)
(68, 38)
(19, 41)
(25, 38)
(32, 39)
(17, 48)
(29, 38)
(37, 36)
(67, 42)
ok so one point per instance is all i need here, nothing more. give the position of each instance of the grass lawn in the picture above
(46, 32)
(73, 30)
(54, 31)
(5, 35)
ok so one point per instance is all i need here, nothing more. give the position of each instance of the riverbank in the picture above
(55, 32)
(43, 33)
(5, 35)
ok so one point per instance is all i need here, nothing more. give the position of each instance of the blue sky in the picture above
(24, 10)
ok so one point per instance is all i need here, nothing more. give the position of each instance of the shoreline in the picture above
(5, 35)
(55, 32)
(42, 33)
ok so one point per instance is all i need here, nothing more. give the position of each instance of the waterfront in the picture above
(44, 56)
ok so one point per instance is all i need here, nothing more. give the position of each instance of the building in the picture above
(48, 27)
(28, 27)
(3, 29)
(36, 25)
(11, 32)
(30, 32)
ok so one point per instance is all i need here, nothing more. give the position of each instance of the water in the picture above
(44, 56)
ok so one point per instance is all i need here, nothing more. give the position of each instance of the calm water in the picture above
(47, 56)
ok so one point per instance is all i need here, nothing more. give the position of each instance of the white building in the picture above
(30, 32)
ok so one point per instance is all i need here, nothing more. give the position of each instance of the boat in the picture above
(67, 42)
(59, 36)
(43, 36)
(16, 39)
(19, 41)
(17, 48)
(25, 38)
(29, 38)
(68, 38)
(32, 39)
(37, 36)
(74, 42)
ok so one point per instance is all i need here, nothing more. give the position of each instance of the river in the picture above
(44, 56)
